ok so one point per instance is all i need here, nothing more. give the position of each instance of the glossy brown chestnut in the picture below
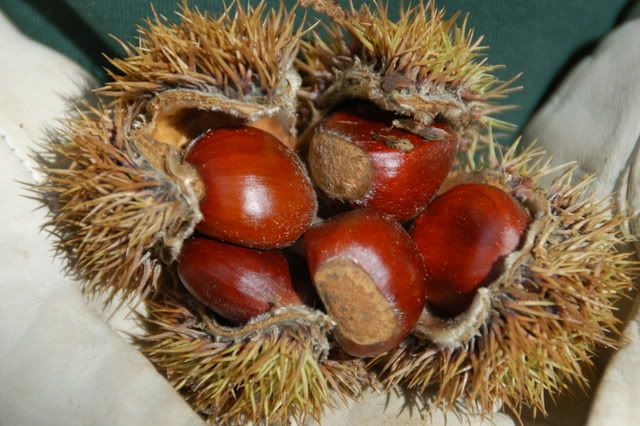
(237, 283)
(360, 155)
(463, 236)
(370, 277)
(256, 191)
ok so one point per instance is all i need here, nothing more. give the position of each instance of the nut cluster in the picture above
(372, 276)
(306, 215)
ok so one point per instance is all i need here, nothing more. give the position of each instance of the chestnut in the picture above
(366, 157)
(370, 277)
(237, 283)
(463, 236)
(256, 191)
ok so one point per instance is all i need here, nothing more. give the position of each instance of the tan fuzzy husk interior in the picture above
(178, 116)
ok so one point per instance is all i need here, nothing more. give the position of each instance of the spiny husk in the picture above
(117, 215)
(244, 53)
(421, 65)
(272, 370)
(121, 199)
(549, 314)
(207, 72)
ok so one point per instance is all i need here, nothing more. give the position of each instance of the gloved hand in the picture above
(594, 119)
(61, 363)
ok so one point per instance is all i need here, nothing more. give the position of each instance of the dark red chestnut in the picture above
(237, 283)
(256, 191)
(370, 278)
(361, 156)
(463, 236)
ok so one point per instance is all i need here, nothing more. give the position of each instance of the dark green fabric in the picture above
(538, 37)
(634, 11)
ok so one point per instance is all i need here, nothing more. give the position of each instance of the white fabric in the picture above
(594, 118)
(60, 363)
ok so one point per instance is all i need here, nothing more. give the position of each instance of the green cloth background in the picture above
(540, 38)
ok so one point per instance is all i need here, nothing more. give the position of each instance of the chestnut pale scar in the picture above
(339, 167)
(363, 314)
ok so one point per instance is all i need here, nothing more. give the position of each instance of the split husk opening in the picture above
(180, 116)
